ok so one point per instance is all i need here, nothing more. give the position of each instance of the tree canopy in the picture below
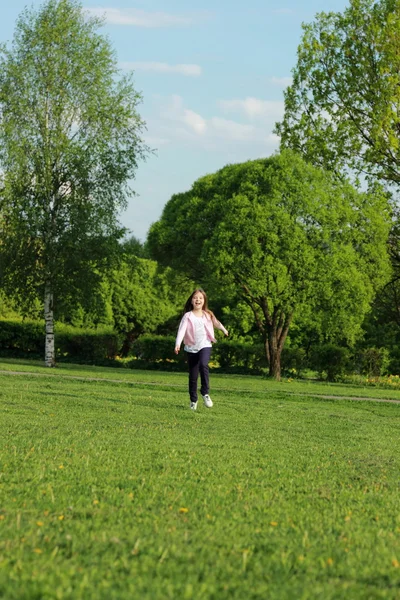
(290, 237)
(343, 107)
(69, 145)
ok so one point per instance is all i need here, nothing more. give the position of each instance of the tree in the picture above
(132, 246)
(291, 238)
(69, 144)
(343, 107)
(144, 296)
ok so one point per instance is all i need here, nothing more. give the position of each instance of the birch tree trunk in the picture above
(50, 359)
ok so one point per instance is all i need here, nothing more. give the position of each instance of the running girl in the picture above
(196, 329)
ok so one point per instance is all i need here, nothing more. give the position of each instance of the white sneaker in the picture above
(193, 406)
(207, 400)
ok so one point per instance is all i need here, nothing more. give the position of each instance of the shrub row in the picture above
(330, 361)
(227, 355)
(25, 339)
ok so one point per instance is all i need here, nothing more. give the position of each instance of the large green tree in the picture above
(291, 238)
(343, 107)
(69, 145)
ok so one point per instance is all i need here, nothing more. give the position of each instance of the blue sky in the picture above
(212, 80)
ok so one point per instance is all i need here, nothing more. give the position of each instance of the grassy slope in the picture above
(112, 490)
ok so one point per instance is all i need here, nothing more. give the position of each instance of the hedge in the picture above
(227, 355)
(25, 339)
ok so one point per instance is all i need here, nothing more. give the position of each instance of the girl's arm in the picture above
(181, 333)
(219, 325)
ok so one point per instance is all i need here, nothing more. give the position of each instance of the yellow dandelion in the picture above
(61, 467)
(273, 524)
(46, 513)
(183, 509)
(61, 518)
(39, 523)
(37, 551)
(2, 517)
(395, 563)
(329, 562)
(130, 495)
(347, 518)
(95, 502)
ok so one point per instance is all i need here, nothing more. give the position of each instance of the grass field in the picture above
(111, 488)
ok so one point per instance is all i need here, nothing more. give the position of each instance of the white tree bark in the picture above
(50, 358)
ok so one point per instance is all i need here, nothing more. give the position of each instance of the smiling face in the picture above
(198, 301)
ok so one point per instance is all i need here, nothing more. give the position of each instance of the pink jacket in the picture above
(186, 329)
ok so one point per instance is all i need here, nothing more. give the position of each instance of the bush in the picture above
(91, 347)
(26, 339)
(394, 360)
(228, 355)
(373, 362)
(156, 348)
(293, 361)
(22, 339)
(249, 357)
(330, 361)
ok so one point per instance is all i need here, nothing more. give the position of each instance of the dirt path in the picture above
(152, 383)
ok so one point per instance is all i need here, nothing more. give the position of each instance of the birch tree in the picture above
(69, 145)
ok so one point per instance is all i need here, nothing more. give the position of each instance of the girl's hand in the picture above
(226, 335)
(176, 349)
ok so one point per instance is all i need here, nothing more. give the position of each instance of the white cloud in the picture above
(281, 81)
(188, 70)
(194, 121)
(139, 18)
(232, 130)
(254, 107)
(178, 123)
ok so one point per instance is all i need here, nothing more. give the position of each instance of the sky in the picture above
(211, 75)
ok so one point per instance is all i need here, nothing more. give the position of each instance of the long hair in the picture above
(189, 305)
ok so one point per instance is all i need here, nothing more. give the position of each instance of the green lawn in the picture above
(111, 488)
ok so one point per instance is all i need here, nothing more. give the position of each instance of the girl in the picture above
(197, 331)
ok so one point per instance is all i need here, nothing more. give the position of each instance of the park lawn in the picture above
(220, 382)
(116, 490)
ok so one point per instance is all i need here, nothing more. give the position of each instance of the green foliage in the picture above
(133, 247)
(249, 357)
(152, 349)
(26, 339)
(88, 347)
(116, 490)
(294, 361)
(293, 241)
(227, 356)
(342, 109)
(331, 361)
(21, 338)
(69, 145)
(373, 362)
(144, 296)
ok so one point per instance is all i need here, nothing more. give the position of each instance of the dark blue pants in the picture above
(198, 362)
